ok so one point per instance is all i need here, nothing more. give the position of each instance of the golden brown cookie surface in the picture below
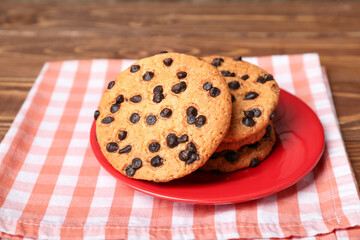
(255, 95)
(157, 123)
(246, 141)
(246, 156)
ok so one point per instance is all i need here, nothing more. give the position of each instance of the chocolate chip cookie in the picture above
(156, 122)
(246, 141)
(247, 156)
(254, 94)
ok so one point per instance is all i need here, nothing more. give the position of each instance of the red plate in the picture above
(299, 147)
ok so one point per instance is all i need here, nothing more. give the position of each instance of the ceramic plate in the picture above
(300, 144)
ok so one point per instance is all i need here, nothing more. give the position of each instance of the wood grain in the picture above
(33, 33)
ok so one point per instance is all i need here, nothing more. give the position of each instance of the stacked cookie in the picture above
(251, 135)
(169, 115)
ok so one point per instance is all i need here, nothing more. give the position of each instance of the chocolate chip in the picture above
(215, 155)
(191, 111)
(232, 98)
(156, 161)
(183, 86)
(207, 86)
(239, 58)
(257, 112)
(272, 115)
(191, 120)
(191, 147)
(158, 89)
(189, 154)
(151, 119)
(181, 75)
(168, 62)
(217, 62)
(158, 97)
(245, 77)
(130, 171)
(154, 147)
(96, 114)
(231, 156)
(122, 135)
(114, 108)
(136, 163)
(148, 76)
(251, 96)
(214, 92)
(263, 79)
(172, 140)
(120, 99)
(112, 147)
(234, 85)
(179, 87)
(136, 99)
(254, 145)
(111, 84)
(268, 131)
(162, 52)
(249, 122)
(176, 88)
(227, 73)
(249, 114)
(166, 113)
(134, 68)
(134, 118)
(254, 162)
(193, 158)
(184, 155)
(125, 149)
(200, 121)
(107, 120)
(183, 138)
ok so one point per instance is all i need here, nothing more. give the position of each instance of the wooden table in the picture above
(33, 33)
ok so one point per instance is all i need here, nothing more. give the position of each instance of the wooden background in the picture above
(33, 33)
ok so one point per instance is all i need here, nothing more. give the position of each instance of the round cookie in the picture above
(247, 156)
(246, 141)
(156, 122)
(255, 95)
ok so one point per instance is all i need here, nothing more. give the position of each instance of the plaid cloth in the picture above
(52, 186)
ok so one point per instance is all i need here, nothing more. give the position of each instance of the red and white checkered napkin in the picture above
(52, 186)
